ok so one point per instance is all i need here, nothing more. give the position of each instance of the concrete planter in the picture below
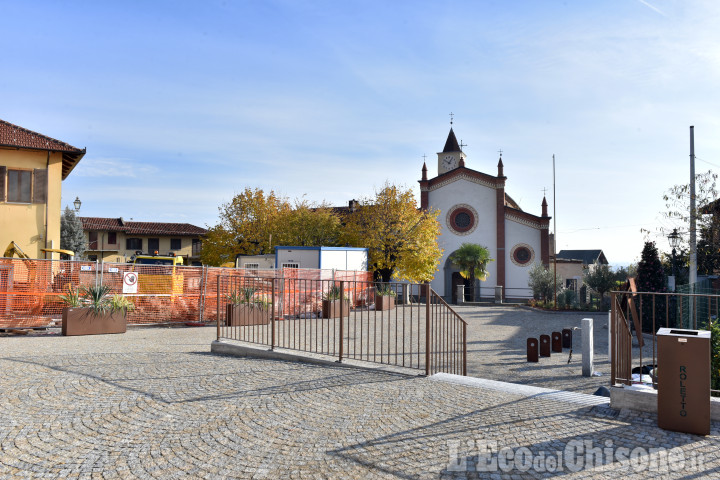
(384, 302)
(247, 314)
(331, 308)
(84, 321)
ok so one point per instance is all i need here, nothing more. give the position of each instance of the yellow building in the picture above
(32, 167)
(116, 240)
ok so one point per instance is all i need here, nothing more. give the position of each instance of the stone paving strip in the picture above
(155, 404)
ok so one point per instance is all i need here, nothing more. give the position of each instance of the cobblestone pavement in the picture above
(154, 403)
(497, 347)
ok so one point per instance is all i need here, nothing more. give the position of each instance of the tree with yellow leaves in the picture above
(254, 223)
(401, 239)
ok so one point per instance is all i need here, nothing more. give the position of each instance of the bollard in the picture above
(567, 338)
(532, 350)
(406, 295)
(544, 345)
(498, 294)
(556, 342)
(460, 294)
(587, 346)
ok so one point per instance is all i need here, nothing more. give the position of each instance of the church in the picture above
(474, 208)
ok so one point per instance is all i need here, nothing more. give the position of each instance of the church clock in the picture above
(449, 162)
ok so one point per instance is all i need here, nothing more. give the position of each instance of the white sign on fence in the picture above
(113, 270)
(130, 282)
(86, 268)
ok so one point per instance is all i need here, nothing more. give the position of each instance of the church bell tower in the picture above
(452, 156)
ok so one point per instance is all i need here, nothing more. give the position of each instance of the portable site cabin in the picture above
(255, 262)
(325, 258)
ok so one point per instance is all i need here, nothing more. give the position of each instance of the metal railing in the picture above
(641, 314)
(487, 294)
(389, 323)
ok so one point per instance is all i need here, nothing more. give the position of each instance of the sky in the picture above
(181, 105)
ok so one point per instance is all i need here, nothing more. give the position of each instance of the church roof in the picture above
(509, 202)
(451, 145)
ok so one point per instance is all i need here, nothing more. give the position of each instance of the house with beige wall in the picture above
(32, 168)
(117, 240)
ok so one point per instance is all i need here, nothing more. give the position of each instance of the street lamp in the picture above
(674, 239)
(77, 204)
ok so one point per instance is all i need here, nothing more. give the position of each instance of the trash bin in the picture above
(683, 375)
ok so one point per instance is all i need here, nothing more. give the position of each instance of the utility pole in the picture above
(554, 240)
(693, 228)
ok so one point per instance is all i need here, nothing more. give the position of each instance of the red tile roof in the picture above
(141, 228)
(19, 137)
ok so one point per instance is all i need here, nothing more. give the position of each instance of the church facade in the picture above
(474, 208)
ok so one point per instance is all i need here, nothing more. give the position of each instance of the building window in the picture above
(252, 268)
(196, 246)
(112, 238)
(522, 255)
(462, 219)
(133, 244)
(290, 265)
(92, 258)
(153, 245)
(19, 186)
(92, 240)
(571, 284)
(175, 243)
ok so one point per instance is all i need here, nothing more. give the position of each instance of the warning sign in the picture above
(130, 282)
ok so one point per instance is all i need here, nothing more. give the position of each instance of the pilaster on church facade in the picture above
(475, 208)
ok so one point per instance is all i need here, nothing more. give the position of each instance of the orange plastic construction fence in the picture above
(30, 290)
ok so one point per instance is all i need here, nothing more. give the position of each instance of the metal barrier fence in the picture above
(632, 314)
(391, 324)
(30, 290)
(487, 294)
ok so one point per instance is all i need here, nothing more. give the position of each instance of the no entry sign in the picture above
(130, 282)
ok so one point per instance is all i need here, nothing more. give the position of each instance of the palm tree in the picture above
(472, 260)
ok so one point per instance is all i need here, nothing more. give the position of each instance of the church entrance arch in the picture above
(452, 280)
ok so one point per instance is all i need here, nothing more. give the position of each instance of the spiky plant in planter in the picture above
(90, 311)
(384, 297)
(245, 308)
(331, 304)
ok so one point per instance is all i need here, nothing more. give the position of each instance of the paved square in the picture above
(154, 403)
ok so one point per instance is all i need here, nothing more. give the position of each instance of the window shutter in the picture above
(40, 186)
(3, 175)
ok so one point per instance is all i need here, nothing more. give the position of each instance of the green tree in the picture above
(472, 260)
(401, 239)
(71, 233)
(600, 278)
(650, 278)
(707, 215)
(542, 282)
(622, 274)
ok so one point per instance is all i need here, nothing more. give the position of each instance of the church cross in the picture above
(424, 157)
(500, 152)
(451, 118)
(462, 145)
(544, 190)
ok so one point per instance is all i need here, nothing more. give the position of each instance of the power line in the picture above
(608, 227)
(705, 161)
